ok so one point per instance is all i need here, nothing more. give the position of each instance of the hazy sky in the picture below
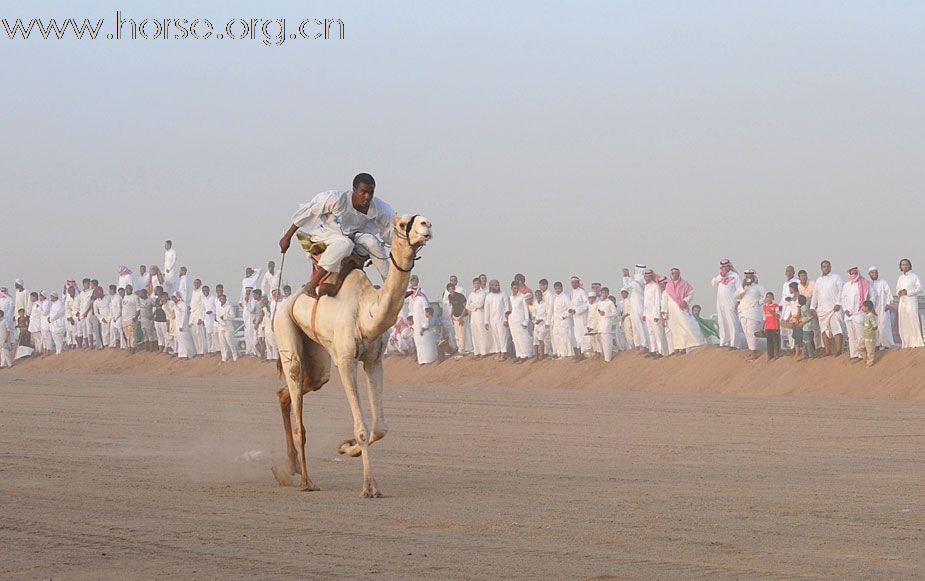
(550, 138)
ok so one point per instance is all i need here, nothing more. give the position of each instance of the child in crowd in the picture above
(771, 325)
(868, 347)
(796, 324)
(809, 346)
(22, 323)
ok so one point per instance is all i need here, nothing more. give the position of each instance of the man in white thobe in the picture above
(208, 306)
(578, 308)
(56, 320)
(563, 339)
(141, 281)
(853, 294)
(183, 287)
(115, 317)
(196, 323)
(591, 327)
(7, 305)
(518, 322)
(497, 309)
(475, 304)
(101, 312)
(125, 277)
(344, 221)
(225, 333)
(170, 268)
(635, 286)
(85, 314)
(425, 341)
(751, 316)
(882, 297)
(249, 314)
(652, 311)
(908, 288)
(684, 330)
(727, 283)
(826, 307)
(626, 320)
(786, 336)
(269, 282)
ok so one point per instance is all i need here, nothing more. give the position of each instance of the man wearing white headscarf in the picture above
(908, 288)
(751, 317)
(853, 294)
(184, 339)
(652, 311)
(125, 277)
(727, 283)
(497, 309)
(56, 320)
(882, 297)
(475, 304)
(635, 286)
(826, 307)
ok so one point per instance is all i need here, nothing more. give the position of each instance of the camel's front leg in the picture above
(348, 377)
(375, 378)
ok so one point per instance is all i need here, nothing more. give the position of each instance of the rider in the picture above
(344, 221)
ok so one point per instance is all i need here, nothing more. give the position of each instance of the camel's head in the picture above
(415, 229)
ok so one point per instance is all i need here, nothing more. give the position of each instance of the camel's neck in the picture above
(387, 302)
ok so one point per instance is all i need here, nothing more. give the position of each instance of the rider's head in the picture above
(364, 187)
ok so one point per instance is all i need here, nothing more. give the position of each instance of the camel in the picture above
(347, 328)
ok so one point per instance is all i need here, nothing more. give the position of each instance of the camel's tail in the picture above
(279, 368)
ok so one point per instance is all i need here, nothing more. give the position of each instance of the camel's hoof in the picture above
(371, 493)
(350, 448)
(308, 487)
(281, 477)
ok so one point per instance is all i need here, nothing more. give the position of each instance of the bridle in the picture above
(406, 236)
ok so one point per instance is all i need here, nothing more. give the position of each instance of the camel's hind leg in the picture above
(304, 370)
(285, 407)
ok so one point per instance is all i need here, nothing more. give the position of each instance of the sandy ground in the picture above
(117, 476)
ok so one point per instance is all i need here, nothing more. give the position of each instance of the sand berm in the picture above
(898, 374)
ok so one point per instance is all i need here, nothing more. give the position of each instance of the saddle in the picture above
(315, 248)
